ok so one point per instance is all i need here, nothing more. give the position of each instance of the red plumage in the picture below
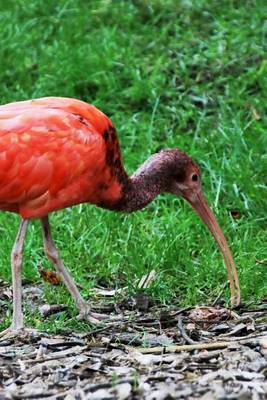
(54, 154)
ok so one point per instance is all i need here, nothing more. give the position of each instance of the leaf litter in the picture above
(150, 352)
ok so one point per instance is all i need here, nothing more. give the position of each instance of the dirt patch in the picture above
(202, 353)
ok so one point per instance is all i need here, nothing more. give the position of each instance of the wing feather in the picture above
(54, 153)
(45, 146)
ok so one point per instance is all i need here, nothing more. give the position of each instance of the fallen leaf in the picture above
(203, 313)
(235, 214)
(49, 276)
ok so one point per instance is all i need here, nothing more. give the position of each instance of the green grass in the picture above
(187, 74)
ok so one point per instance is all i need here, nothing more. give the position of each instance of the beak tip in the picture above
(201, 207)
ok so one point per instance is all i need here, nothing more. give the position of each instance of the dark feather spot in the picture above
(117, 163)
(110, 157)
(106, 136)
(113, 158)
(81, 119)
(102, 186)
(112, 133)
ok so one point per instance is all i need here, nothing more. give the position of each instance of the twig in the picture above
(183, 332)
(179, 348)
(58, 354)
(246, 339)
(191, 347)
(46, 310)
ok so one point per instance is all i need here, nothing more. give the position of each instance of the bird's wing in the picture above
(46, 145)
(44, 110)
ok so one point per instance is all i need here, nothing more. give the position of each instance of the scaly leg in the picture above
(16, 265)
(53, 255)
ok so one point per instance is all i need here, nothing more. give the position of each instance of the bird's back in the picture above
(54, 153)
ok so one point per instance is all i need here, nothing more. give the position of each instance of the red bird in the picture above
(57, 152)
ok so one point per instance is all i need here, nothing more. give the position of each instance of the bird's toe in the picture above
(87, 315)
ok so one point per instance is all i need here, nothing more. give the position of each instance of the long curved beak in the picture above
(200, 205)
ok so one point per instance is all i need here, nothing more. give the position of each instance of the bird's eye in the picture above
(195, 177)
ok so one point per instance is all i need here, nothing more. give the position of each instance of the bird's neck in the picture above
(136, 194)
(141, 188)
(150, 179)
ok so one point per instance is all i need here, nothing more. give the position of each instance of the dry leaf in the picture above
(49, 276)
(235, 214)
(203, 313)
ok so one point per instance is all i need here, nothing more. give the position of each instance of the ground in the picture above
(188, 74)
(155, 353)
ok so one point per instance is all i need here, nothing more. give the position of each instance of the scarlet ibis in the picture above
(57, 152)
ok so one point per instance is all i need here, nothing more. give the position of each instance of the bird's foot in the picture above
(87, 315)
(11, 335)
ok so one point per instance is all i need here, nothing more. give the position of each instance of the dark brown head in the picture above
(172, 171)
(175, 172)
(182, 173)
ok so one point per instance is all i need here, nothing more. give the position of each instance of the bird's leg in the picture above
(16, 265)
(53, 255)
